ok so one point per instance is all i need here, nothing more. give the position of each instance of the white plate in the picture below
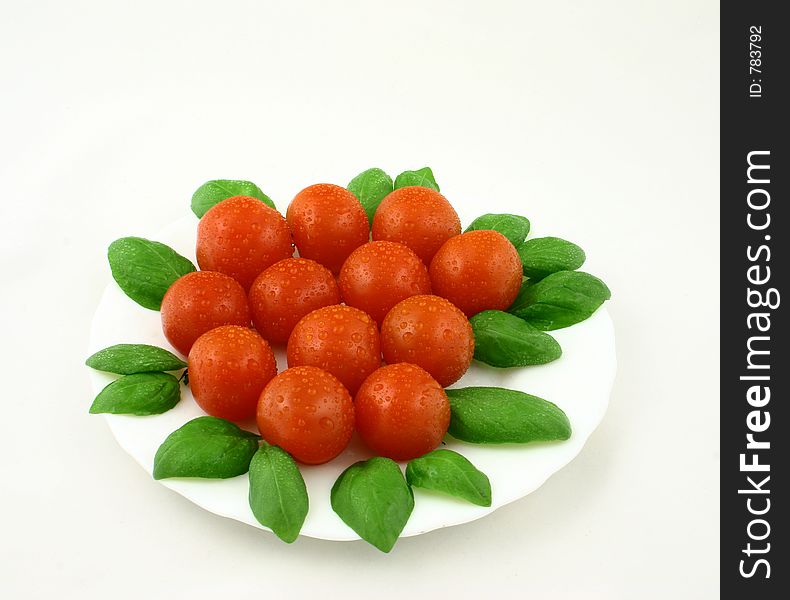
(579, 383)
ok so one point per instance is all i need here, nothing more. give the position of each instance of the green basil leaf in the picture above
(370, 187)
(519, 301)
(373, 498)
(449, 472)
(128, 359)
(139, 394)
(206, 447)
(560, 300)
(514, 227)
(214, 192)
(489, 415)
(543, 256)
(504, 340)
(144, 269)
(421, 177)
(278, 495)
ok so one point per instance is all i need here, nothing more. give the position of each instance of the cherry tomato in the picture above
(378, 275)
(328, 223)
(199, 302)
(431, 333)
(417, 217)
(286, 292)
(228, 368)
(308, 413)
(241, 237)
(401, 412)
(339, 339)
(477, 270)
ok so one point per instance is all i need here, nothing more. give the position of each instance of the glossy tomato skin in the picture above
(199, 302)
(342, 340)
(380, 274)
(308, 413)
(417, 217)
(401, 412)
(228, 368)
(241, 237)
(328, 224)
(286, 292)
(432, 333)
(477, 270)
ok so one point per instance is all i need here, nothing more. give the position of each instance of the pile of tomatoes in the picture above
(374, 317)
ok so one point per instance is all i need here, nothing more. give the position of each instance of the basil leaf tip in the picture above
(373, 498)
(278, 495)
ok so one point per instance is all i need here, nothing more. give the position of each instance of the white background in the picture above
(598, 120)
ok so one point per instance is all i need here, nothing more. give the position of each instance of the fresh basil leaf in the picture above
(490, 415)
(278, 495)
(373, 498)
(543, 256)
(519, 301)
(206, 447)
(128, 359)
(449, 472)
(139, 394)
(421, 177)
(560, 300)
(504, 340)
(214, 192)
(514, 227)
(370, 187)
(144, 269)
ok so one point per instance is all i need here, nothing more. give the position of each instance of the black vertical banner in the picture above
(755, 418)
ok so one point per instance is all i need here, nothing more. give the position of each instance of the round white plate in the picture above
(579, 383)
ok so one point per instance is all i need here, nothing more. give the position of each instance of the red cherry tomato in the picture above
(328, 223)
(286, 292)
(339, 339)
(417, 217)
(401, 412)
(241, 237)
(477, 270)
(198, 302)
(431, 333)
(228, 368)
(308, 413)
(378, 275)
